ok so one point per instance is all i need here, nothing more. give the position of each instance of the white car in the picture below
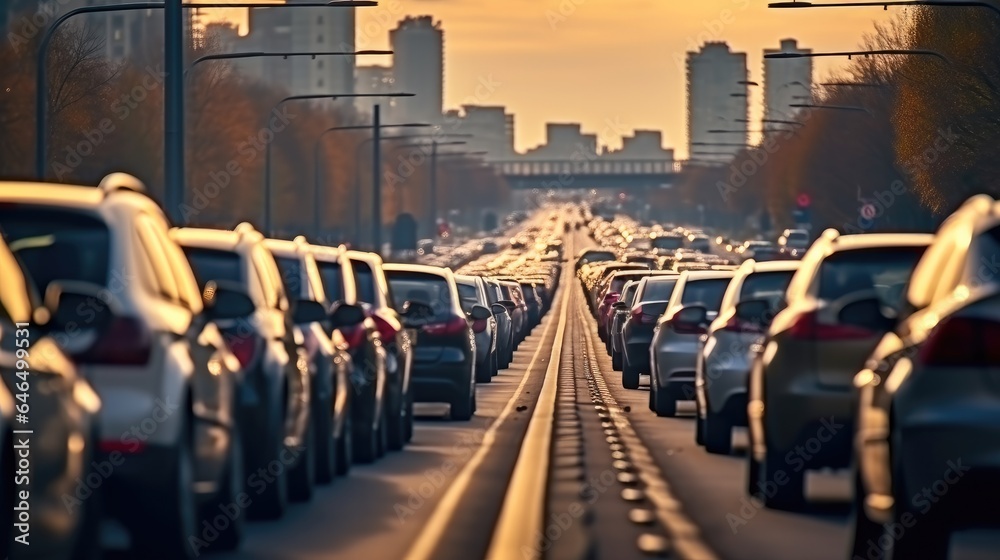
(720, 380)
(927, 435)
(161, 367)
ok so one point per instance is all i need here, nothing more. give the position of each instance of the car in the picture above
(610, 293)
(794, 239)
(649, 303)
(472, 292)
(534, 302)
(519, 314)
(666, 244)
(620, 311)
(275, 387)
(374, 293)
(928, 405)
(591, 256)
(369, 433)
(444, 365)
(699, 242)
(164, 374)
(673, 352)
(799, 387)
(505, 326)
(44, 394)
(723, 363)
(425, 247)
(490, 247)
(330, 361)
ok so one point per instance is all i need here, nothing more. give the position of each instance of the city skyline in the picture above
(613, 67)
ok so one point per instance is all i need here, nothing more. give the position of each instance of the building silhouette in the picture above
(418, 67)
(717, 100)
(787, 81)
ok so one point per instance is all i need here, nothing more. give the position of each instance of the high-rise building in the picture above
(717, 100)
(322, 29)
(418, 67)
(376, 79)
(270, 31)
(787, 81)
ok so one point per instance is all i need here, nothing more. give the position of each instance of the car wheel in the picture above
(167, 533)
(409, 416)
(273, 500)
(699, 429)
(928, 541)
(382, 435)
(718, 434)
(666, 405)
(616, 360)
(396, 423)
(366, 427)
(345, 445)
(226, 501)
(787, 497)
(326, 444)
(302, 478)
(463, 406)
(630, 377)
(495, 363)
(483, 373)
(865, 531)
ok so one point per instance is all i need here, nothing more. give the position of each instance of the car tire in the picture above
(409, 416)
(345, 445)
(228, 497)
(699, 429)
(630, 377)
(616, 360)
(463, 406)
(718, 434)
(302, 476)
(784, 497)
(665, 405)
(382, 436)
(166, 533)
(326, 445)
(396, 424)
(483, 374)
(366, 427)
(495, 363)
(272, 502)
(864, 529)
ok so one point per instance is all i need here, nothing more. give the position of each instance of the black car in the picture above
(444, 361)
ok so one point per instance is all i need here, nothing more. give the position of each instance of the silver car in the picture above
(724, 362)
(927, 439)
(472, 292)
(619, 314)
(694, 303)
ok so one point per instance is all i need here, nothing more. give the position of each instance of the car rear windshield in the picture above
(469, 296)
(291, 276)
(706, 292)
(333, 279)
(766, 285)
(599, 256)
(885, 270)
(659, 289)
(365, 281)
(429, 289)
(214, 264)
(629, 294)
(58, 245)
(668, 243)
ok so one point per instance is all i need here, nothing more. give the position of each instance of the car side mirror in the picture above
(226, 300)
(508, 304)
(620, 306)
(498, 309)
(346, 315)
(308, 311)
(755, 311)
(480, 313)
(73, 304)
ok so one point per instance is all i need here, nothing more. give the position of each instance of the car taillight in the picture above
(808, 326)
(962, 342)
(122, 446)
(385, 329)
(735, 325)
(244, 347)
(125, 342)
(453, 326)
(354, 336)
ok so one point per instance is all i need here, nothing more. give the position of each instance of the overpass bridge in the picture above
(616, 174)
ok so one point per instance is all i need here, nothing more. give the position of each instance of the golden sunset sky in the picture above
(613, 65)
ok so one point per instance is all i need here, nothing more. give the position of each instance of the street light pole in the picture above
(267, 146)
(885, 5)
(377, 179)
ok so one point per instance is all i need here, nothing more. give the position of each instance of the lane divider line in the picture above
(684, 535)
(522, 516)
(437, 526)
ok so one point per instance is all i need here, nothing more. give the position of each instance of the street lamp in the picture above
(357, 179)
(773, 121)
(267, 147)
(831, 107)
(318, 170)
(850, 54)
(258, 54)
(885, 5)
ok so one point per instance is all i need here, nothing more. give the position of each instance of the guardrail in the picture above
(528, 168)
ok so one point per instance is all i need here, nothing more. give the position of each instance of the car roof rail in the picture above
(244, 227)
(830, 234)
(119, 181)
(301, 240)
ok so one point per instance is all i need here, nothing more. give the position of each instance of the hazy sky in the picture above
(613, 65)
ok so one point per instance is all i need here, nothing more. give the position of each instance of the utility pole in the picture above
(376, 180)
